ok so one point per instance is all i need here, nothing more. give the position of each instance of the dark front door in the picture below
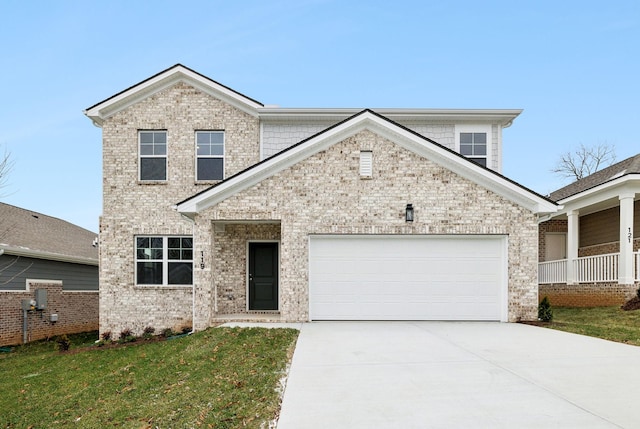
(263, 276)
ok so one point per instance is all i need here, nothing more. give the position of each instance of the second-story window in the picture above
(474, 147)
(153, 155)
(210, 155)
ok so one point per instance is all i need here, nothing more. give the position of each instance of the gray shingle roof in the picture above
(627, 166)
(32, 231)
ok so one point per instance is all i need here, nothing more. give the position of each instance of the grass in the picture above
(218, 378)
(610, 323)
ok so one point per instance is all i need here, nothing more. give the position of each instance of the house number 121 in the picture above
(629, 235)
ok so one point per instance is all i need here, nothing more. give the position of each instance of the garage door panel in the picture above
(407, 277)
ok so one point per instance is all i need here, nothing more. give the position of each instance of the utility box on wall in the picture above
(28, 304)
(41, 299)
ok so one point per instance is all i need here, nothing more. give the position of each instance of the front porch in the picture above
(588, 253)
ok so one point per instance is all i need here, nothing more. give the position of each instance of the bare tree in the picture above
(585, 160)
(6, 164)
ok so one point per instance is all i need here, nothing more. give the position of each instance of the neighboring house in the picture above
(42, 253)
(588, 249)
(217, 207)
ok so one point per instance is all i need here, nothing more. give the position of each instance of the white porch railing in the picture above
(586, 269)
(599, 268)
(552, 271)
(637, 269)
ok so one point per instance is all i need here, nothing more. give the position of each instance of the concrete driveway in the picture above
(458, 375)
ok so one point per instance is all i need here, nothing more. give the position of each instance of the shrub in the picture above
(544, 310)
(126, 336)
(167, 332)
(148, 332)
(63, 343)
(106, 336)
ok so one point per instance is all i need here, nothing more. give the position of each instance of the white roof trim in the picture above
(163, 80)
(379, 125)
(503, 117)
(38, 254)
(629, 183)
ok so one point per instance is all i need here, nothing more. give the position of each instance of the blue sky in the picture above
(573, 66)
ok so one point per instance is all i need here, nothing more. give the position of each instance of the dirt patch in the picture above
(632, 304)
(535, 323)
(113, 345)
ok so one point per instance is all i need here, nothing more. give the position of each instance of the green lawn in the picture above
(610, 323)
(219, 378)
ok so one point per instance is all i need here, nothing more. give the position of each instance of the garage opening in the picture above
(408, 277)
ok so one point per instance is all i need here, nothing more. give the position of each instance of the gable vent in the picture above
(366, 163)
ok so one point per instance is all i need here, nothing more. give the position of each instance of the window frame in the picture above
(209, 156)
(476, 129)
(153, 156)
(165, 260)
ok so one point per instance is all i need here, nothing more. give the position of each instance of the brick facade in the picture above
(587, 294)
(133, 208)
(324, 194)
(77, 312)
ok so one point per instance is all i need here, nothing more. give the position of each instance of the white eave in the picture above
(382, 126)
(39, 254)
(600, 197)
(178, 73)
(503, 117)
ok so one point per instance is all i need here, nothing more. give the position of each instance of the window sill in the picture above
(152, 182)
(207, 182)
(164, 287)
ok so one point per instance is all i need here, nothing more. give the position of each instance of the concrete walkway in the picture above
(458, 375)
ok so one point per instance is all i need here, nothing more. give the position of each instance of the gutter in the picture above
(39, 254)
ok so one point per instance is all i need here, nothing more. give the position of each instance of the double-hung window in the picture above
(164, 260)
(474, 147)
(153, 155)
(209, 155)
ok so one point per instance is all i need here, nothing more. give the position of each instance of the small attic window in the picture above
(366, 163)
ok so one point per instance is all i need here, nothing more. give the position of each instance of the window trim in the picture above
(197, 156)
(476, 128)
(165, 156)
(165, 260)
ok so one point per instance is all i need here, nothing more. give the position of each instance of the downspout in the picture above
(24, 326)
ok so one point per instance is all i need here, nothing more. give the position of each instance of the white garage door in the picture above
(407, 277)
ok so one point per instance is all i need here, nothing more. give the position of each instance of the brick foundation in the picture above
(587, 294)
(77, 312)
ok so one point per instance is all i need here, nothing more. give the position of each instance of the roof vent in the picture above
(366, 164)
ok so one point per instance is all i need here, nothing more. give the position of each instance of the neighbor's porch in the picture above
(587, 269)
(589, 253)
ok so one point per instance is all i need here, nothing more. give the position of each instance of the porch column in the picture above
(625, 267)
(573, 232)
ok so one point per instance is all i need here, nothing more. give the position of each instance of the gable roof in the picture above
(166, 78)
(35, 235)
(370, 120)
(628, 166)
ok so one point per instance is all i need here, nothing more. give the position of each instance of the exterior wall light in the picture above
(408, 215)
